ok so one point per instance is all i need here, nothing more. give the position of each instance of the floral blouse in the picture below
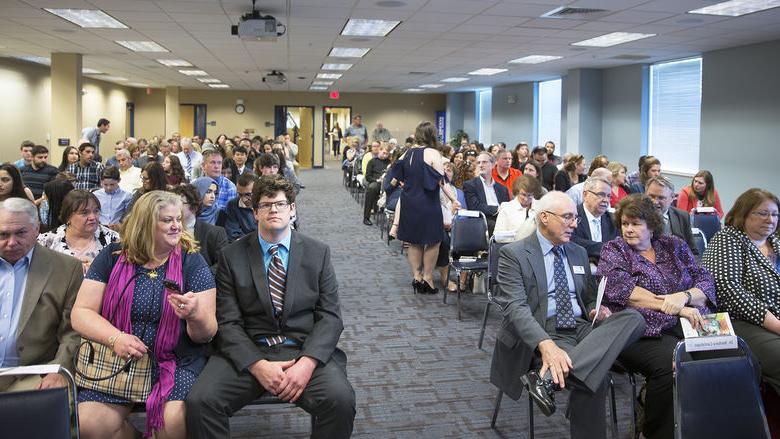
(55, 240)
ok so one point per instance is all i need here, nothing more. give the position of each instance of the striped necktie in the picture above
(188, 166)
(277, 281)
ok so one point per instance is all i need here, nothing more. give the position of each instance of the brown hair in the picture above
(269, 186)
(571, 162)
(425, 134)
(639, 206)
(650, 161)
(75, 200)
(746, 202)
(708, 199)
(527, 183)
(461, 173)
(600, 161)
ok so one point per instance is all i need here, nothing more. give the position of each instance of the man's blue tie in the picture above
(563, 309)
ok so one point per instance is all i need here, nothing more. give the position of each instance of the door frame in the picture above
(195, 108)
(313, 128)
(324, 134)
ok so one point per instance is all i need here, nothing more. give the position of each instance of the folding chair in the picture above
(718, 397)
(44, 414)
(700, 240)
(469, 238)
(708, 223)
(492, 274)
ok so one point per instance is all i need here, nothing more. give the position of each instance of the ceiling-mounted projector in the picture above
(275, 78)
(253, 26)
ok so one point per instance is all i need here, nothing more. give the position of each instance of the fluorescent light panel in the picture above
(612, 39)
(321, 83)
(318, 88)
(193, 72)
(88, 71)
(487, 72)
(328, 75)
(113, 78)
(348, 52)
(142, 46)
(414, 90)
(174, 63)
(219, 86)
(534, 59)
(360, 27)
(138, 84)
(431, 85)
(209, 80)
(88, 18)
(336, 66)
(36, 59)
(456, 79)
(736, 8)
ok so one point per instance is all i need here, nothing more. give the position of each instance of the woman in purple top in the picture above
(659, 276)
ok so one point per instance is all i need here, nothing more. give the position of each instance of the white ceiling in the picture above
(436, 38)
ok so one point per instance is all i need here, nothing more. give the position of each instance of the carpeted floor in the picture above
(416, 369)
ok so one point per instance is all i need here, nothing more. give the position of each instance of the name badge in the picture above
(578, 269)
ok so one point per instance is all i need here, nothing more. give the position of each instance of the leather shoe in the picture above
(367, 222)
(541, 390)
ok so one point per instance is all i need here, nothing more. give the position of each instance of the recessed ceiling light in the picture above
(113, 78)
(318, 88)
(487, 72)
(361, 27)
(534, 59)
(612, 39)
(348, 52)
(138, 84)
(321, 83)
(413, 90)
(174, 63)
(209, 80)
(193, 72)
(142, 46)
(328, 75)
(219, 86)
(431, 85)
(736, 8)
(36, 59)
(90, 18)
(454, 79)
(336, 66)
(88, 71)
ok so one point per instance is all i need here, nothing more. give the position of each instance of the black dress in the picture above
(421, 220)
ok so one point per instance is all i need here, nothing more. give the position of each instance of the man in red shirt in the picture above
(504, 173)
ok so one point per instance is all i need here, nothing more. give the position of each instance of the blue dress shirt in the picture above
(549, 268)
(283, 250)
(13, 279)
(112, 206)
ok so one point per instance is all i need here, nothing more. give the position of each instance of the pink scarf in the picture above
(167, 332)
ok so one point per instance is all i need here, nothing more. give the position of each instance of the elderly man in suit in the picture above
(279, 323)
(37, 289)
(483, 193)
(676, 222)
(547, 296)
(595, 226)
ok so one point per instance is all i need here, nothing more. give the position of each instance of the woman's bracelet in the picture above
(112, 340)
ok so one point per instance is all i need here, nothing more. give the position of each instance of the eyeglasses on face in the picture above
(568, 218)
(280, 205)
(600, 195)
(763, 214)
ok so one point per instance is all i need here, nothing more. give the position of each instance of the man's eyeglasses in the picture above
(600, 195)
(280, 205)
(568, 218)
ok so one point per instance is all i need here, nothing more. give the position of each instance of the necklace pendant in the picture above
(152, 275)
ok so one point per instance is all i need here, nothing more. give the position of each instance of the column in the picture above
(66, 85)
(171, 110)
(583, 112)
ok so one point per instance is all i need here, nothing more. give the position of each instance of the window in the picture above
(675, 114)
(485, 102)
(549, 112)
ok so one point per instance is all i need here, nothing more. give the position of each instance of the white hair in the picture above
(551, 200)
(592, 182)
(20, 205)
(602, 173)
(123, 153)
(185, 141)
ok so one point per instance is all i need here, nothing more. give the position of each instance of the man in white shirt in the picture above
(189, 158)
(482, 193)
(129, 175)
(594, 227)
(292, 152)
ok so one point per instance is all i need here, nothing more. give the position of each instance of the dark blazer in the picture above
(680, 224)
(311, 314)
(522, 296)
(548, 175)
(211, 239)
(475, 196)
(583, 237)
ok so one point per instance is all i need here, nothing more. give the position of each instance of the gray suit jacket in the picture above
(311, 315)
(522, 295)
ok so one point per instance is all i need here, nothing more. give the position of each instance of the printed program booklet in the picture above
(717, 333)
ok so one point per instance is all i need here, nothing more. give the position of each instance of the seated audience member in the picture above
(86, 170)
(503, 172)
(81, 235)
(744, 258)
(11, 183)
(512, 215)
(376, 167)
(595, 226)
(227, 169)
(633, 177)
(191, 160)
(70, 155)
(548, 170)
(484, 194)
(520, 155)
(575, 192)
(651, 167)
(461, 173)
(53, 194)
(701, 193)
(547, 295)
(112, 161)
(600, 161)
(39, 289)
(207, 193)
(238, 216)
(240, 164)
(212, 168)
(531, 168)
(129, 175)
(38, 172)
(657, 275)
(174, 173)
(675, 221)
(270, 164)
(113, 201)
(151, 156)
(373, 152)
(152, 179)
(211, 239)
(551, 157)
(619, 189)
(573, 172)
(25, 150)
(182, 323)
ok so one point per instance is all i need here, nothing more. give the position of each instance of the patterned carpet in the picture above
(416, 369)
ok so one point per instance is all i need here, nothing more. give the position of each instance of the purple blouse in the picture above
(675, 270)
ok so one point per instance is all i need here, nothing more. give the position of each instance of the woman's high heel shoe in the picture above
(426, 288)
(417, 286)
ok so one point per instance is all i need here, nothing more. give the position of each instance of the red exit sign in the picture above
(334, 94)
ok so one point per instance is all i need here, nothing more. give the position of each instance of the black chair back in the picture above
(469, 235)
(699, 240)
(35, 414)
(709, 224)
(493, 251)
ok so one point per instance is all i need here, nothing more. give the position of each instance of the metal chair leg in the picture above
(458, 304)
(495, 409)
(530, 417)
(484, 324)
(444, 297)
(632, 380)
(615, 433)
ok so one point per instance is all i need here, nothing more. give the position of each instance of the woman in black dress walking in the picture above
(420, 225)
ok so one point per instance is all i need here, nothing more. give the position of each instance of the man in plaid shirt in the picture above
(86, 170)
(212, 167)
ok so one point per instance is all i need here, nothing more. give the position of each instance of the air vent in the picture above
(577, 13)
(420, 73)
(631, 57)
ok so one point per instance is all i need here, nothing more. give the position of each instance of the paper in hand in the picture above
(599, 297)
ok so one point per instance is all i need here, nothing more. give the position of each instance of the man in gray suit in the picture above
(279, 323)
(677, 222)
(547, 295)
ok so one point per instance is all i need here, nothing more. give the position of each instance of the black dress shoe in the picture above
(427, 288)
(367, 222)
(541, 390)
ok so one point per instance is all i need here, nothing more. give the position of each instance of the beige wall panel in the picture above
(26, 114)
(109, 100)
(149, 113)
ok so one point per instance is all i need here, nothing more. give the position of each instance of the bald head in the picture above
(557, 217)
